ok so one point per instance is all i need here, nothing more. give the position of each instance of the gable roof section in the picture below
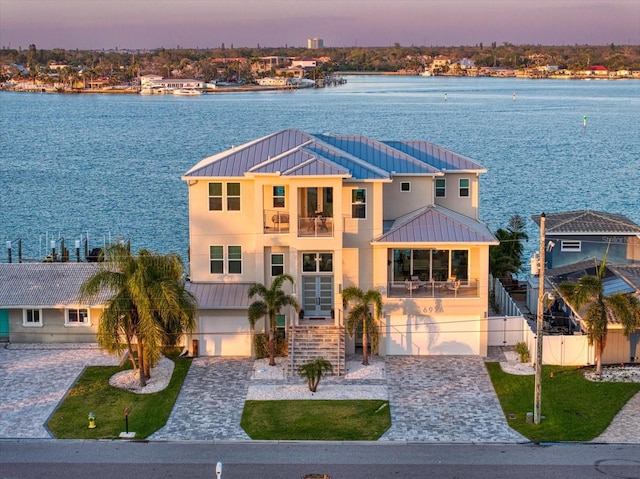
(44, 284)
(236, 161)
(221, 295)
(443, 160)
(587, 222)
(434, 224)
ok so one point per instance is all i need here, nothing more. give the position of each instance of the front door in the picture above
(4, 324)
(317, 295)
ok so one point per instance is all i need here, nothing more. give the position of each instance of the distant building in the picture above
(315, 43)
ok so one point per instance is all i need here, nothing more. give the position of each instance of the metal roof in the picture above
(434, 224)
(587, 222)
(44, 284)
(437, 157)
(221, 295)
(357, 157)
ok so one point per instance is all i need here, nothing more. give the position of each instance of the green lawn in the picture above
(92, 393)
(573, 409)
(316, 420)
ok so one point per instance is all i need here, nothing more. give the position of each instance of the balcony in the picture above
(315, 226)
(275, 222)
(433, 289)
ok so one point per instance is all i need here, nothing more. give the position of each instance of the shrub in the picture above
(261, 345)
(523, 351)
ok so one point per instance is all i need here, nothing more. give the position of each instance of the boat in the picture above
(187, 92)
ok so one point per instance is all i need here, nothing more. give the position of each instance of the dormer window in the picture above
(464, 187)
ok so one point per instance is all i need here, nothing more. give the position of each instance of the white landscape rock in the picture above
(130, 380)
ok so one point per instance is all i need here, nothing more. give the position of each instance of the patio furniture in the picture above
(453, 284)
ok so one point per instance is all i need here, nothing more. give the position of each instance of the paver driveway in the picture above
(33, 380)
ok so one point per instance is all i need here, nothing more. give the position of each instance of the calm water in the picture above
(110, 165)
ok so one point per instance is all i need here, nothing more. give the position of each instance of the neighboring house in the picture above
(616, 279)
(400, 217)
(574, 236)
(576, 243)
(39, 303)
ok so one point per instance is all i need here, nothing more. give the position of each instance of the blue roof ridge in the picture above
(353, 158)
(383, 146)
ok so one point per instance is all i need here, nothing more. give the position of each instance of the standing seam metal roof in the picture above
(434, 224)
(435, 156)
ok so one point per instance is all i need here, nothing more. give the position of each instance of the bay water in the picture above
(110, 165)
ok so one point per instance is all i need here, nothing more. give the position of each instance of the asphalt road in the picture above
(27, 459)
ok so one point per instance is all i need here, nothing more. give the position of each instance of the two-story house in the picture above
(400, 217)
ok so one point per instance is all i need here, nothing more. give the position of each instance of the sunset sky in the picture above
(147, 24)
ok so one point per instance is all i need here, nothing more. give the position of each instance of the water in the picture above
(110, 165)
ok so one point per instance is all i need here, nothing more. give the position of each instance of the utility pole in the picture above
(540, 326)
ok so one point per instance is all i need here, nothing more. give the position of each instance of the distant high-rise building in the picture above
(315, 43)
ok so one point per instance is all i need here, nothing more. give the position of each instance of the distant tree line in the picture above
(205, 63)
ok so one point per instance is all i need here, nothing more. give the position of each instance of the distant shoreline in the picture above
(251, 88)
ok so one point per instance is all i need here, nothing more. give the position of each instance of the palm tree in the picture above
(586, 296)
(366, 311)
(273, 300)
(149, 305)
(313, 371)
(506, 258)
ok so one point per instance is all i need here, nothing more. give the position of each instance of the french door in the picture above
(317, 295)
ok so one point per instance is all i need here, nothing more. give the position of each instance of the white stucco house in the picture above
(400, 217)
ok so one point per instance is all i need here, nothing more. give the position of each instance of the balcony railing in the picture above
(433, 289)
(315, 226)
(275, 221)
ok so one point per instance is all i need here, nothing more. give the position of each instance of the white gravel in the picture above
(327, 389)
(616, 374)
(160, 377)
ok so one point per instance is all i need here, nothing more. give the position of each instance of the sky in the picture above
(150, 24)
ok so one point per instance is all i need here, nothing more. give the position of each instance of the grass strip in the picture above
(316, 420)
(92, 393)
(573, 408)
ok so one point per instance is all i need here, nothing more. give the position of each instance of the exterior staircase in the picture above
(307, 343)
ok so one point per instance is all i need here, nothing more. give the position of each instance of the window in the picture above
(278, 197)
(77, 316)
(216, 199)
(277, 264)
(233, 260)
(571, 246)
(441, 187)
(216, 259)
(405, 186)
(32, 317)
(464, 187)
(359, 203)
(317, 262)
(281, 322)
(215, 196)
(233, 196)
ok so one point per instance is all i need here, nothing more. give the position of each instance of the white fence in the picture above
(558, 350)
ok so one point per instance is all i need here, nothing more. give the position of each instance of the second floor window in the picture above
(464, 187)
(441, 187)
(359, 203)
(278, 197)
(217, 193)
(218, 261)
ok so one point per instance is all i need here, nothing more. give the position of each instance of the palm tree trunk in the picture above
(143, 382)
(272, 348)
(365, 344)
(599, 357)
